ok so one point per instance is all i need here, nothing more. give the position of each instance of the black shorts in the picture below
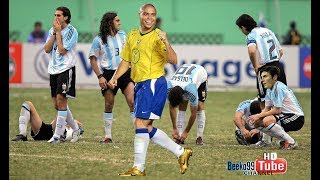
(282, 77)
(64, 83)
(45, 132)
(203, 91)
(290, 122)
(122, 82)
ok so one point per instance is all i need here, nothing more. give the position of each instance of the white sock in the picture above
(161, 138)
(108, 118)
(71, 121)
(201, 122)
(141, 143)
(181, 121)
(132, 117)
(277, 131)
(24, 119)
(61, 123)
(266, 138)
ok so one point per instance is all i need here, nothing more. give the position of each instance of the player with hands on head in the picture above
(246, 133)
(61, 45)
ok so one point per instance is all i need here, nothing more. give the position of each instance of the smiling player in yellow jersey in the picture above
(147, 54)
(146, 51)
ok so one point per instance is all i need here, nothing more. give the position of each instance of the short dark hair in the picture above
(65, 12)
(293, 24)
(272, 70)
(37, 23)
(175, 96)
(255, 107)
(246, 21)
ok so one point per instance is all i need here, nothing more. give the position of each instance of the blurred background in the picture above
(186, 21)
(202, 32)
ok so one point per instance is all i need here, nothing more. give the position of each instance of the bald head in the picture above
(145, 6)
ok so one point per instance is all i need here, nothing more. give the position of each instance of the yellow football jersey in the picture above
(146, 53)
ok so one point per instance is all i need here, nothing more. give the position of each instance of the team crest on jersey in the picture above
(139, 40)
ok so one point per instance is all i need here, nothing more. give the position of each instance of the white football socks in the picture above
(277, 131)
(201, 122)
(108, 118)
(24, 119)
(61, 123)
(181, 121)
(161, 138)
(141, 143)
(70, 120)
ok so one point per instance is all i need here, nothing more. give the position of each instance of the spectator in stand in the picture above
(38, 35)
(293, 36)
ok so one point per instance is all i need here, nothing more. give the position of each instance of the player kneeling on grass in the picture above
(39, 129)
(282, 112)
(245, 133)
(188, 83)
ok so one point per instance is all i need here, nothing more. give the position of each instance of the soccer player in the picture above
(147, 50)
(282, 112)
(61, 44)
(188, 83)
(106, 48)
(246, 133)
(39, 129)
(263, 49)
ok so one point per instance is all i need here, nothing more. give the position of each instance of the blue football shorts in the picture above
(150, 98)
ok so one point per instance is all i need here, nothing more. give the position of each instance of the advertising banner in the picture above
(227, 65)
(305, 67)
(15, 65)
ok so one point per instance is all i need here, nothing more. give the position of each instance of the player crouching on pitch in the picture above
(282, 112)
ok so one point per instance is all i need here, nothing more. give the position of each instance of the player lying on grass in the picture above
(39, 129)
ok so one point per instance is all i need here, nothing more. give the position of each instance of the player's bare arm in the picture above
(123, 67)
(172, 56)
(94, 65)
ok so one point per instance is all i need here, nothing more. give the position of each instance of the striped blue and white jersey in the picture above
(244, 108)
(189, 77)
(268, 46)
(58, 62)
(281, 96)
(108, 54)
